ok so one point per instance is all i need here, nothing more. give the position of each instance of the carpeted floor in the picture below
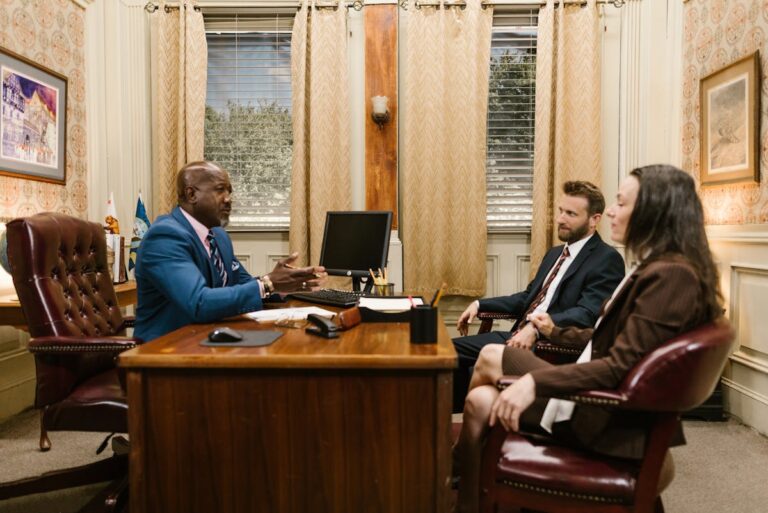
(20, 457)
(722, 469)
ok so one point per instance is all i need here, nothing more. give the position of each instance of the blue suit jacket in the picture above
(175, 279)
(589, 281)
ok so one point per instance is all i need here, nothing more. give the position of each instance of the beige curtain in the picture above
(567, 140)
(444, 92)
(179, 69)
(320, 179)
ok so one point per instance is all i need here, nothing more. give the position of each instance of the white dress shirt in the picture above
(559, 410)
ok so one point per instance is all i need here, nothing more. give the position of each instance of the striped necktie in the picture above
(544, 288)
(218, 262)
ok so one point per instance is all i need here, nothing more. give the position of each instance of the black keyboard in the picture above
(333, 297)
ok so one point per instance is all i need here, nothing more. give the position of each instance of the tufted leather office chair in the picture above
(59, 270)
(528, 472)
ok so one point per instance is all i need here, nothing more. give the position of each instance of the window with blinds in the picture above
(248, 113)
(511, 120)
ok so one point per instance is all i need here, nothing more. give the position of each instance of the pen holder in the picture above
(423, 325)
(387, 289)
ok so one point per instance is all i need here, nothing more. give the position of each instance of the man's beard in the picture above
(573, 235)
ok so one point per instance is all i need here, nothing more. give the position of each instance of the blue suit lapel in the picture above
(202, 253)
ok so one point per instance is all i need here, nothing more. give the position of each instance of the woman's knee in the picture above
(479, 401)
(489, 359)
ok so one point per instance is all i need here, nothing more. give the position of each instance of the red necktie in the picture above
(544, 288)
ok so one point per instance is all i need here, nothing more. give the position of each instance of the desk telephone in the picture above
(323, 326)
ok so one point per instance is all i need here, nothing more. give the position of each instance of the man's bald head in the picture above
(193, 174)
(204, 191)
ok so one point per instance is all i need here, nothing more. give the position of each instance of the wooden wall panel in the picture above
(381, 80)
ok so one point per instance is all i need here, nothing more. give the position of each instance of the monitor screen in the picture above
(354, 242)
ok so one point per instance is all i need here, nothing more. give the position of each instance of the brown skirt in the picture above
(517, 362)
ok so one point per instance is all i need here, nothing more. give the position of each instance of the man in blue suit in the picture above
(571, 284)
(186, 269)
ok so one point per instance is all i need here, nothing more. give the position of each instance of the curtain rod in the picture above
(359, 4)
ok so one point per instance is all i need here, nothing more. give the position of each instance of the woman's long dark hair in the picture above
(668, 218)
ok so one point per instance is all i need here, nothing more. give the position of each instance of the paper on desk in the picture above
(389, 304)
(293, 314)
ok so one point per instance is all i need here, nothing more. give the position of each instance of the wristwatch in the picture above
(268, 287)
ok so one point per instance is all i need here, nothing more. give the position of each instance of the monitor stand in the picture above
(356, 280)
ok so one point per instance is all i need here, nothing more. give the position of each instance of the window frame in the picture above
(508, 21)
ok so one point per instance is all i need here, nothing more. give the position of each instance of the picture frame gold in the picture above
(730, 123)
(33, 120)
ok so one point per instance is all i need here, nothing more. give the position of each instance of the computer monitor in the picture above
(354, 242)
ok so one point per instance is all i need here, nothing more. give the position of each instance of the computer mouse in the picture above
(224, 334)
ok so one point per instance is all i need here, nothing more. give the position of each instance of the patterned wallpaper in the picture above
(717, 33)
(52, 33)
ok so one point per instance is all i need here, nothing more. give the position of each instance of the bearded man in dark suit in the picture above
(570, 285)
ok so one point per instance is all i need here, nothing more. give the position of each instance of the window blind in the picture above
(248, 113)
(511, 121)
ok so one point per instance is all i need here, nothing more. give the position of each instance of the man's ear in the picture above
(190, 194)
(594, 220)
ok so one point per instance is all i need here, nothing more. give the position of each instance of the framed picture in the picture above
(33, 121)
(730, 123)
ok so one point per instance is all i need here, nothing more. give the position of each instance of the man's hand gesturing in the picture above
(287, 278)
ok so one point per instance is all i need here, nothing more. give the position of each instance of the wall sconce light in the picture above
(379, 110)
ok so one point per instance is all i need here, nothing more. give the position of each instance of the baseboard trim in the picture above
(749, 406)
(756, 396)
(17, 398)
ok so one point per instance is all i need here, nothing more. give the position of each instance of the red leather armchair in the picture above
(529, 472)
(59, 270)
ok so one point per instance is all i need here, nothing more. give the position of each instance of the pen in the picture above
(438, 295)
(413, 303)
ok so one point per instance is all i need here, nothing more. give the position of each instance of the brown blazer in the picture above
(661, 300)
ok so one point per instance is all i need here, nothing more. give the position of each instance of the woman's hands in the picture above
(512, 402)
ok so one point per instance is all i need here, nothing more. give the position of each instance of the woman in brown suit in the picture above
(674, 288)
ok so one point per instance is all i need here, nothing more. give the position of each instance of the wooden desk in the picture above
(357, 424)
(11, 314)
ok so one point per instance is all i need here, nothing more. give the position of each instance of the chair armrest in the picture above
(542, 346)
(68, 345)
(486, 319)
(612, 398)
(495, 315)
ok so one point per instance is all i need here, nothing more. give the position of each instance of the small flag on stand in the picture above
(140, 227)
(115, 243)
(110, 220)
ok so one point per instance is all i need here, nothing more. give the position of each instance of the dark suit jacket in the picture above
(661, 300)
(176, 279)
(589, 280)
